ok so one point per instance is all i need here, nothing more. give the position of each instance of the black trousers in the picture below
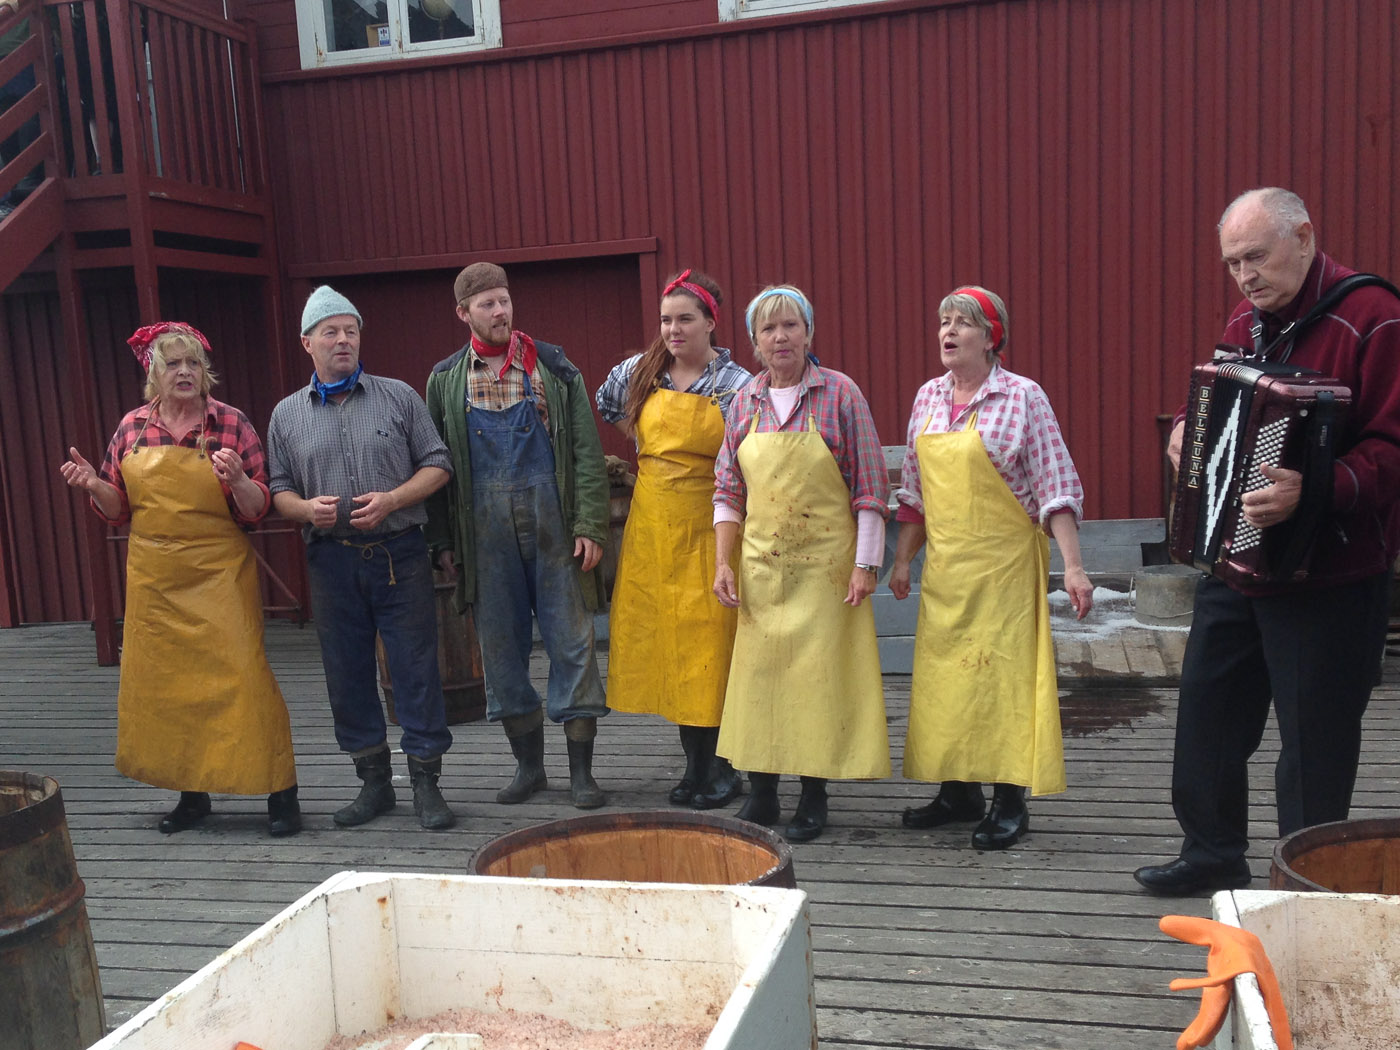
(1315, 654)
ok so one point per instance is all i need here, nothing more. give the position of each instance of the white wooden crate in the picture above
(1337, 959)
(364, 949)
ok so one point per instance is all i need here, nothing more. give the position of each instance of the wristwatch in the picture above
(869, 568)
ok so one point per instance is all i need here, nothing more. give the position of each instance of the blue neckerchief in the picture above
(327, 389)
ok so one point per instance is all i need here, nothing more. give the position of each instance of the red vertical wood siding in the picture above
(1073, 155)
(39, 419)
(591, 307)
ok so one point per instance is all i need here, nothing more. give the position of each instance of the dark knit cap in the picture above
(478, 277)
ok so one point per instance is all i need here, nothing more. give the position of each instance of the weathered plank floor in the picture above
(920, 942)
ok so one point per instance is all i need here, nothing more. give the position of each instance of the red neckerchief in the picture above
(519, 343)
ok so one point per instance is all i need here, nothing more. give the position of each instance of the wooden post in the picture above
(94, 532)
(131, 133)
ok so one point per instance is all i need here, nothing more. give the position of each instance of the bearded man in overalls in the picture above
(521, 525)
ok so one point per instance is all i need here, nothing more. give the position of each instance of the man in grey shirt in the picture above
(353, 456)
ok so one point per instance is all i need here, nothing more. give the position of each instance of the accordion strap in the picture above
(1329, 299)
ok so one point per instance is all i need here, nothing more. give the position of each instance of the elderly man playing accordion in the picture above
(1310, 645)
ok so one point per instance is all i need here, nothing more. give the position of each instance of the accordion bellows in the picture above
(1242, 415)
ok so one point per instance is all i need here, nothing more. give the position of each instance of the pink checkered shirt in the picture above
(1023, 439)
(842, 416)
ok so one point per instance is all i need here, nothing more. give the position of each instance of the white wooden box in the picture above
(364, 949)
(1337, 959)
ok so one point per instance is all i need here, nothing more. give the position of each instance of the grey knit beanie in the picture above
(325, 302)
(478, 277)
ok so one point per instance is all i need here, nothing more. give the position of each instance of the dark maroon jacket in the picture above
(1358, 343)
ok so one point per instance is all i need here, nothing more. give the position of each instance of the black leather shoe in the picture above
(810, 818)
(283, 813)
(1006, 821)
(761, 807)
(1181, 878)
(724, 787)
(693, 744)
(190, 810)
(955, 802)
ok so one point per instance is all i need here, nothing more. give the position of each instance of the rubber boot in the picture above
(722, 783)
(526, 735)
(1006, 821)
(761, 807)
(193, 807)
(376, 790)
(692, 744)
(579, 733)
(283, 813)
(810, 818)
(957, 800)
(428, 804)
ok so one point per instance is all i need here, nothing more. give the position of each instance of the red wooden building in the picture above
(1072, 154)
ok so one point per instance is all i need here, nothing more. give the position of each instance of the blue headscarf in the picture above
(786, 291)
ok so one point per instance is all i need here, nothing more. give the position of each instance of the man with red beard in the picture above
(521, 526)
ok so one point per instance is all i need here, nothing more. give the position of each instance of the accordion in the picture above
(1243, 414)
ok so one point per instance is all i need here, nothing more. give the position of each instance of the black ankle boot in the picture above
(1006, 821)
(810, 818)
(583, 789)
(956, 801)
(761, 807)
(722, 783)
(283, 813)
(694, 747)
(376, 790)
(193, 807)
(428, 804)
(526, 735)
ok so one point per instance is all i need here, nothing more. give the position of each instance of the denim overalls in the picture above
(524, 563)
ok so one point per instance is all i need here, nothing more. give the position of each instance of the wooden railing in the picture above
(150, 87)
(26, 140)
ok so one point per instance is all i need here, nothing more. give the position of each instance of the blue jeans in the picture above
(352, 598)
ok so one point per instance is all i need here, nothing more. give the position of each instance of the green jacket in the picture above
(578, 466)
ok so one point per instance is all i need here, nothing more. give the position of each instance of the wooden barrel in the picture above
(1349, 856)
(459, 663)
(50, 994)
(645, 846)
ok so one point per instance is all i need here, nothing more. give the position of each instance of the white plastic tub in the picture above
(1337, 959)
(365, 949)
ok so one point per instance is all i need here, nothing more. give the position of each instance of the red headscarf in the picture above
(983, 300)
(682, 282)
(141, 340)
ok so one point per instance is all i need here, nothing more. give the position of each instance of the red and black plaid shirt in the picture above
(224, 427)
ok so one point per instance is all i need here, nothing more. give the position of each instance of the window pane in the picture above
(430, 20)
(357, 24)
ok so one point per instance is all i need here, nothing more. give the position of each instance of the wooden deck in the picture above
(920, 941)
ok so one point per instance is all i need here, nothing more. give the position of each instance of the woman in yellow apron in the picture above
(198, 709)
(985, 473)
(801, 468)
(669, 643)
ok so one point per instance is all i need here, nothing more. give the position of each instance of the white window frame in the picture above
(313, 36)
(731, 10)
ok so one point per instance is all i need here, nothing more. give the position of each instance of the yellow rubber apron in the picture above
(669, 640)
(804, 693)
(984, 704)
(198, 708)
